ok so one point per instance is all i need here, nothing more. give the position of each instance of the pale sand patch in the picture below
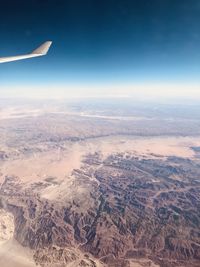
(39, 166)
(6, 226)
(11, 253)
(121, 118)
(60, 163)
(14, 255)
(163, 146)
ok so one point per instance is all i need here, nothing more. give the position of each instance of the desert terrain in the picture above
(89, 184)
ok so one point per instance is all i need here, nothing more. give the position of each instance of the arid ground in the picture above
(95, 185)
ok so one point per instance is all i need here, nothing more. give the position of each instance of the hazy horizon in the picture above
(111, 48)
(140, 92)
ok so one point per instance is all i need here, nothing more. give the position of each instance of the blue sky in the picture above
(103, 42)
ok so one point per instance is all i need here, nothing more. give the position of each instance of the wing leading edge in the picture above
(40, 51)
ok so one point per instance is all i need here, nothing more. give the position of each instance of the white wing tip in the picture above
(42, 49)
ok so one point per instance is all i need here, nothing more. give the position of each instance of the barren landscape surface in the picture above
(96, 186)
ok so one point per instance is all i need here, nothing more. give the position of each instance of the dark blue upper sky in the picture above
(101, 40)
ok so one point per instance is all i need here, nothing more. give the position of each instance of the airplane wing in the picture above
(40, 51)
